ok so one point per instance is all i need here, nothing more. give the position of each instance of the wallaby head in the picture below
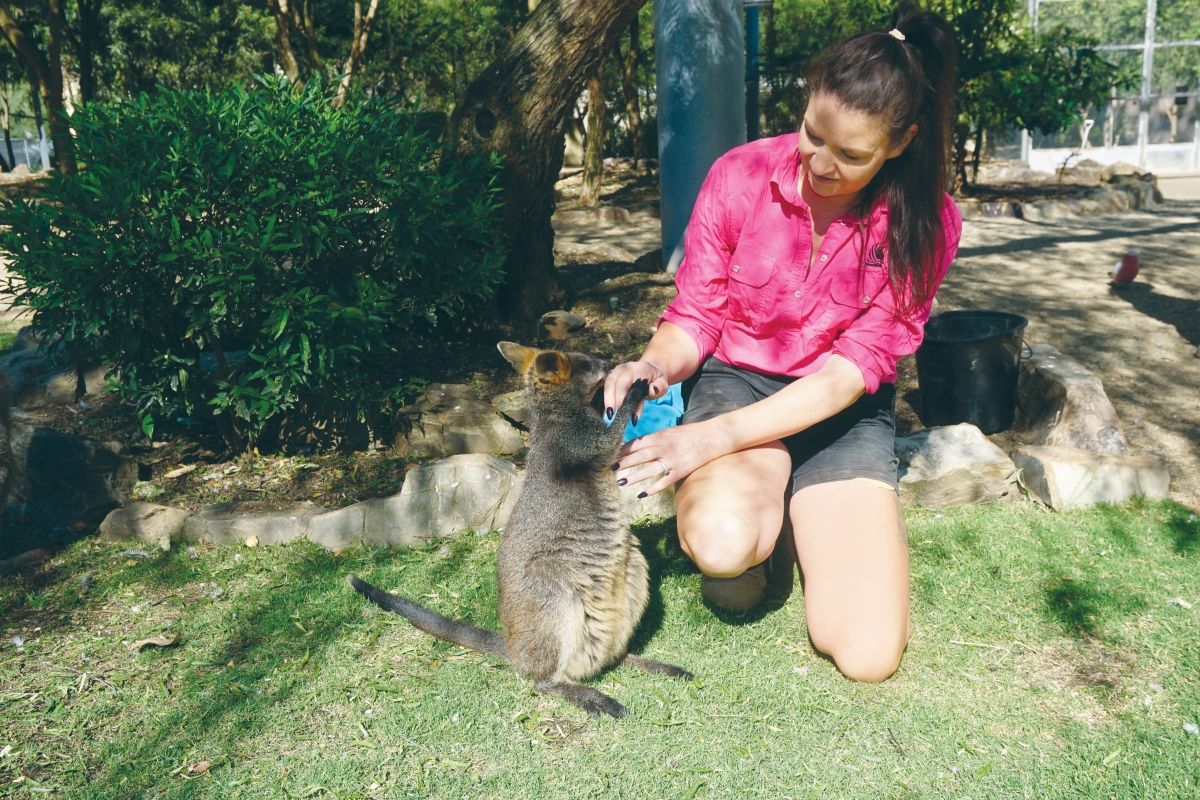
(552, 373)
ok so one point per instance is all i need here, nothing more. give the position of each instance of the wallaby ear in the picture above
(518, 355)
(552, 367)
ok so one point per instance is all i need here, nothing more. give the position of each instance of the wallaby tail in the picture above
(433, 623)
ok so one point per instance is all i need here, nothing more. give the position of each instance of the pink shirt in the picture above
(748, 296)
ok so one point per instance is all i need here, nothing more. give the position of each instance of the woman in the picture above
(811, 262)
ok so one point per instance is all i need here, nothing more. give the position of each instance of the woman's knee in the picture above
(866, 659)
(723, 545)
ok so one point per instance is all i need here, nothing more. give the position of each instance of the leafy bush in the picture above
(255, 257)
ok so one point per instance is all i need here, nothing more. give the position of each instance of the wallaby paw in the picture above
(639, 390)
(603, 705)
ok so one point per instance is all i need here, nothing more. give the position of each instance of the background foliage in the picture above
(256, 255)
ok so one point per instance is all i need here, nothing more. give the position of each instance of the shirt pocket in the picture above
(850, 295)
(751, 292)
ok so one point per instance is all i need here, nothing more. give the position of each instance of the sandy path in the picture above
(1142, 341)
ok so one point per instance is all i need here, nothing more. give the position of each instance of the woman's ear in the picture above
(904, 141)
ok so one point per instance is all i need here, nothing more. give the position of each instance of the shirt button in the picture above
(797, 293)
(737, 267)
(866, 298)
(824, 257)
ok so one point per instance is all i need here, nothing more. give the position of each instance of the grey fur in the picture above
(573, 583)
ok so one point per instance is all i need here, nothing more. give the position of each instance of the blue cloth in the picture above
(657, 414)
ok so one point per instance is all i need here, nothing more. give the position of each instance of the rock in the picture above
(61, 387)
(23, 369)
(22, 562)
(27, 339)
(650, 262)
(655, 507)
(514, 406)
(228, 523)
(558, 325)
(595, 215)
(448, 423)
(1067, 477)
(1120, 168)
(145, 522)
(567, 252)
(950, 465)
(439, 499)
(61, 480)
(1061, 403)
(337, 530)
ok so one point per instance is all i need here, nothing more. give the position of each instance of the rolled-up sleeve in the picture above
(701, 304)
(883, 335)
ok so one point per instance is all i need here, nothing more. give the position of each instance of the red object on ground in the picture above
(1125, 270)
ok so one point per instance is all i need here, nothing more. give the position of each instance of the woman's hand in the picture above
(622, 376)
(669, 455)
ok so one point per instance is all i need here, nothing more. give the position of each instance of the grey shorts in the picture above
(859, 442)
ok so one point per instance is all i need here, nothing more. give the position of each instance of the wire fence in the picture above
(1155, 45)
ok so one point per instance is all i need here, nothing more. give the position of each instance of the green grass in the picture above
(1047, 661)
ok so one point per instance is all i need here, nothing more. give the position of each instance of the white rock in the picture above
(950, 465)
(1066, 477)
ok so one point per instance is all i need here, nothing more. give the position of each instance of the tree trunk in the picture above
(633, 105)
(593, 152)
(283, 40)
(977, 155)
(46, 75)
(362, 29)
(517, 107)
(89, 26)
(302, 22)
(6, 123)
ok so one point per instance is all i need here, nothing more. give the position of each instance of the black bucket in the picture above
(967, 368)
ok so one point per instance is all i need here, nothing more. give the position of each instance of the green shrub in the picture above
(256, 258)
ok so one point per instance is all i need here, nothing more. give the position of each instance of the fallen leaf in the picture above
(1179, 601)
(179, 472)
(199, 768)
(162, 640)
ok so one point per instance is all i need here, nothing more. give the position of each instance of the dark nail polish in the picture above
(609, 412)
(616, 466)
(635, 419)
(622, 482)
(642, 496)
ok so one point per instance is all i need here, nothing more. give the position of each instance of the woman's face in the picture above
(842, 149)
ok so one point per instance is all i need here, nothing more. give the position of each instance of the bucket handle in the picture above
(1026, 350)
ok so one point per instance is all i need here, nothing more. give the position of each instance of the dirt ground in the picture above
(1143, 341)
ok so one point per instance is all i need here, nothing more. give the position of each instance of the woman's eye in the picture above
(814, 139)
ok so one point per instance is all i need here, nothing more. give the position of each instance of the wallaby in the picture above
(573, 583)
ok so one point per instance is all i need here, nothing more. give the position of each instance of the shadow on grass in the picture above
(280, 640)
(1184, 525)
(1084, 607)
(227, 697)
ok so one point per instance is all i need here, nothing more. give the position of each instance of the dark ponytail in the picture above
(905, 82)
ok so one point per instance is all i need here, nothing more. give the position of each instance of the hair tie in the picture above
(896, 34)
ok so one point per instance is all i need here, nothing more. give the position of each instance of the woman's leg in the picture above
(854, 557)
(730, 510)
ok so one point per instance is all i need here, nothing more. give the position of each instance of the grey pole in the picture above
(1147, 81)
(698, 47)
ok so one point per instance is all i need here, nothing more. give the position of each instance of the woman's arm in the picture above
(675, 453)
